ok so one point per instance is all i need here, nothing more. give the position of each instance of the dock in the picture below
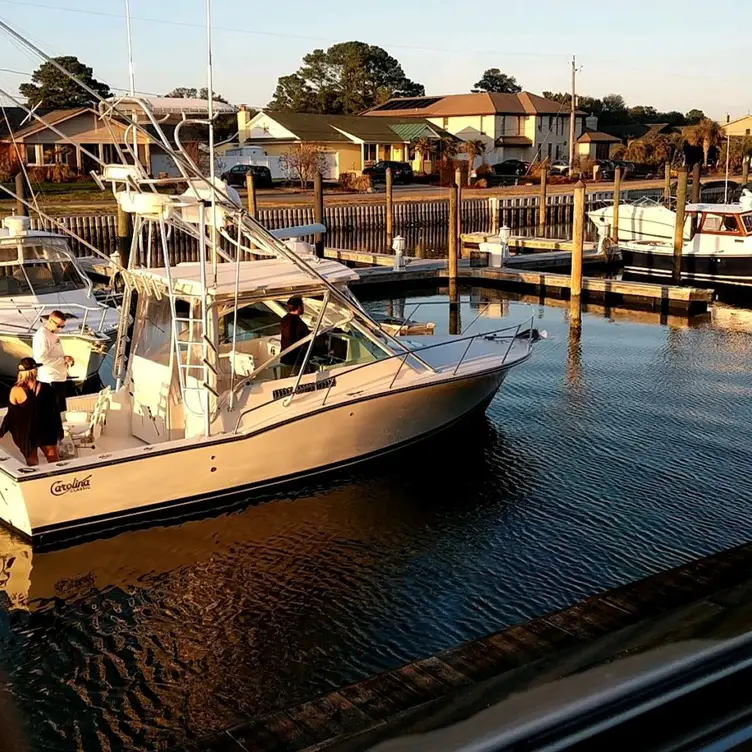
(645, 295)
(704, 599)
(473, 240)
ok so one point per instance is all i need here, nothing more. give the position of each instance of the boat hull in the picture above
(67, 505)
(716, 268)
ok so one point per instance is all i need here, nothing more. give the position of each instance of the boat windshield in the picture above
(747, 222)
(37, 266)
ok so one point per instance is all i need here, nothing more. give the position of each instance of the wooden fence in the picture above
(422, 222)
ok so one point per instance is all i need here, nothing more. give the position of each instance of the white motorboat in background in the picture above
(203, 405)
(39, 274)
(644, 219)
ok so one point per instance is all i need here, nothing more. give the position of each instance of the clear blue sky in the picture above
(644, 49)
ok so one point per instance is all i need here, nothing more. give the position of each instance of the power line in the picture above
(236, 30)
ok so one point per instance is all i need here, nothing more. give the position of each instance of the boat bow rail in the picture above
(521, 332)
(92, 322)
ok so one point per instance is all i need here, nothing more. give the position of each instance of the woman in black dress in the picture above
(33, 418)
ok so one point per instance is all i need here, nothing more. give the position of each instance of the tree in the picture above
(50, 88)
(303, 161)
(184, 92)
(345, 79)
(615, 110)
(423, 146)
(449, 149)
(473, 147)
(694, 116)
(707, 133)
(494, 80)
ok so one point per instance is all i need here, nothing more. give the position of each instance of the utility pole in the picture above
(573, 109)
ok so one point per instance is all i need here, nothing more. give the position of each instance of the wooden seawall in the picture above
(708, 598)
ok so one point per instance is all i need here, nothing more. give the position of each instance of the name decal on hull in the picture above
(60, 488)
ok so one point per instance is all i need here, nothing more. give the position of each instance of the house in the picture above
(634, 131)
(513, 126)
(594, 144)
(349, 142)
(65, 136)
(740, 127)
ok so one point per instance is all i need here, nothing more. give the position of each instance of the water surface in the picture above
(600, 462)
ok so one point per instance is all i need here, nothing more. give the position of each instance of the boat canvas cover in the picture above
(254, 277)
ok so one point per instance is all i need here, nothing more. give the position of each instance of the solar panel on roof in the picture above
(408, 104)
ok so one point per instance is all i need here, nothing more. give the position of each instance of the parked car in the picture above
(511, 167)
(401, 172)
(608, 169)
(559, 167)
(235, 176)
(642, 172)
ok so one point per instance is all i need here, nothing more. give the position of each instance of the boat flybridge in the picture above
(203, 406)
(39, 274)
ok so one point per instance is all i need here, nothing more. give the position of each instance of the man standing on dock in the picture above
(48, 351)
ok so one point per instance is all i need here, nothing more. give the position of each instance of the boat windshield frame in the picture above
(50, 252)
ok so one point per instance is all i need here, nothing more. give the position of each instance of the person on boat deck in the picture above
(48, 351)
(292, 330)
(33, 418)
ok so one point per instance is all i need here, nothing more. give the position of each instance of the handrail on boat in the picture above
(40, 309)
(493, 334)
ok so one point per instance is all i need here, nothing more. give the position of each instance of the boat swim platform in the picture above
(642, 295)
(707, 599)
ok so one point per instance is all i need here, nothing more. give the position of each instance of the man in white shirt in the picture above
(48, 351)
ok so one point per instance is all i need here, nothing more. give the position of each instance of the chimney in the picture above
(244, 119)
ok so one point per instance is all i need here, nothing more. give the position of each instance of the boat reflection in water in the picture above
(160, 634)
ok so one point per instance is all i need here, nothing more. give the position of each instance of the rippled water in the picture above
(599, 462)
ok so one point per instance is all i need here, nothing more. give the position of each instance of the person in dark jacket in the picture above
(33, 417)
(293, 329)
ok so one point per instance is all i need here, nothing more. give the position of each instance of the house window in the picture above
(550, 123)
(31, 153)
(445, 122)
(48, 154)
(370, 152)
(746, 133)
(550, 150)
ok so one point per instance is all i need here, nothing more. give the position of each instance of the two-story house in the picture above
(513, 126)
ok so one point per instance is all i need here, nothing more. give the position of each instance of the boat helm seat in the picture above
(83, 427)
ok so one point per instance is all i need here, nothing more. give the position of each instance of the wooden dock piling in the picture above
(542, 201)
(318, 212)
(453, 237)
(745, 170)
(667, 184)
(696, 183)
(21, 193)
(389, 208)
(617, 200)
(458, 183)
(250, 185)
(493, 211)
(681, 207)
(125, 234)
(578, 240)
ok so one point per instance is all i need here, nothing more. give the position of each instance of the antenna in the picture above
(131, 70)
(728, 157)
(210, 95)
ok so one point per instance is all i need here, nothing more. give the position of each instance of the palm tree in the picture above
(423, 146)
(637, 151)
(707, 133)
(449, 149)
(473, 147)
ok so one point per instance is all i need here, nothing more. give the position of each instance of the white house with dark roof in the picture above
(513, 126)
(348, 142)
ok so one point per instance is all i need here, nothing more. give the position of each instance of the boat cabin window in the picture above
(747, 223)
(720, 224)
(37, 268)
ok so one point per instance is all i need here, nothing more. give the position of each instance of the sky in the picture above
(673, 56)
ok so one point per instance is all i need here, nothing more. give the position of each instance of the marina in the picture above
(370, 418)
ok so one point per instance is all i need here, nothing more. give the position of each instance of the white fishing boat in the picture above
(718, 249)
(203, 406)
(39, 274)
(642, 220)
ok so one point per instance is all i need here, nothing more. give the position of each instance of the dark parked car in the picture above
(401, 172)
(235, 176)
(608, 169)
(511, 167)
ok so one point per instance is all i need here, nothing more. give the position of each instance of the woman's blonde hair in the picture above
(26, 378)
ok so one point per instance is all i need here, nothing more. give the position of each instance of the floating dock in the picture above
(706, 599)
